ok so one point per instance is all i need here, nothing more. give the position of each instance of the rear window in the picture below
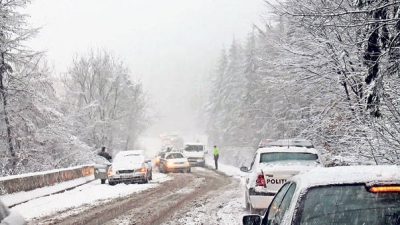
(284, 156)
(348, 204)
(175, 156)
(194, 148)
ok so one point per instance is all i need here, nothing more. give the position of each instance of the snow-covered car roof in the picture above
(288, 149)
(347, 175)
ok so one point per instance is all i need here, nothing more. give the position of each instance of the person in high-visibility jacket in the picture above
(216, 156)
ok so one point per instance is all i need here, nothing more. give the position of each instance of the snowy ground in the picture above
(97, 194)
(222, 206)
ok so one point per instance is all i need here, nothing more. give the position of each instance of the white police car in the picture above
(272, 165)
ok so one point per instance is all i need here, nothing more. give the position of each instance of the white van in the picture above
(195, 152)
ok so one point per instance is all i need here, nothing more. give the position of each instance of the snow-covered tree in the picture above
(108, 105)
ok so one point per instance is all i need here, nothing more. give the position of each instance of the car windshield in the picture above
(284, 156)
(194, 148)
(175, 156)
(132, 158)
(348, 204)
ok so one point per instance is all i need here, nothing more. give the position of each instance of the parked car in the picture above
(336, 195)
(130, 166)
(10, 216)
(174, 162)
(269, 170)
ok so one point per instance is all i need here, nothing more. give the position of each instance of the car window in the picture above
(194, 148)
(283, 156)
(348, 204)
(275, 203)
(283, 206)
(174, 156)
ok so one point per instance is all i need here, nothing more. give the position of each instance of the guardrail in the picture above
(28, 182)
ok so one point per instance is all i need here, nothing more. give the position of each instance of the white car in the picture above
(174, 162)
(354, 195)
(130, 166)
(269, 170)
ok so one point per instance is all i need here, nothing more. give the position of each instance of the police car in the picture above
(273, 164)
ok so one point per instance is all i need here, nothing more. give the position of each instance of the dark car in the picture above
(158, 158)
(339, 195)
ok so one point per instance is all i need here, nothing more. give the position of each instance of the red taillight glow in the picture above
(378, 189)
(260, 180)
(142, 169)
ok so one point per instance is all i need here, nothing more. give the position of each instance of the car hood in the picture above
(126, 166)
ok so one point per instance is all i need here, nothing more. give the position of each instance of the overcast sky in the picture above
(165, 43)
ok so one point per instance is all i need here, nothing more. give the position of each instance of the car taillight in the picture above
(142, 169)
(260, 180)
(380, 189)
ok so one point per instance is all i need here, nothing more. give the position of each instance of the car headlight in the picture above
(187, 163)
(169, 164)
(110, 172)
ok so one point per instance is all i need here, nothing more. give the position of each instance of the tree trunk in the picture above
(3, 69)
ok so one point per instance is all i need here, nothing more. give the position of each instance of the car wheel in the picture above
(103, 181)
(111, 183)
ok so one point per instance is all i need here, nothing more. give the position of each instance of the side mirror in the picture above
(251, 220)
(244, 169)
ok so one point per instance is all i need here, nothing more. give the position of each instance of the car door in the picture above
(283, 206)
(279, 205)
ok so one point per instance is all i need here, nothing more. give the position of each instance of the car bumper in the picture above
(119, 178)
(177, 168)
(260, 200)
(196, 161)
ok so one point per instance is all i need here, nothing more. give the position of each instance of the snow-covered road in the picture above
(224, 205)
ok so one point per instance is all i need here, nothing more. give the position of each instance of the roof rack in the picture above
(285, 142)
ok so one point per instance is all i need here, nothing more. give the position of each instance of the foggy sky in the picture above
(165, 43)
